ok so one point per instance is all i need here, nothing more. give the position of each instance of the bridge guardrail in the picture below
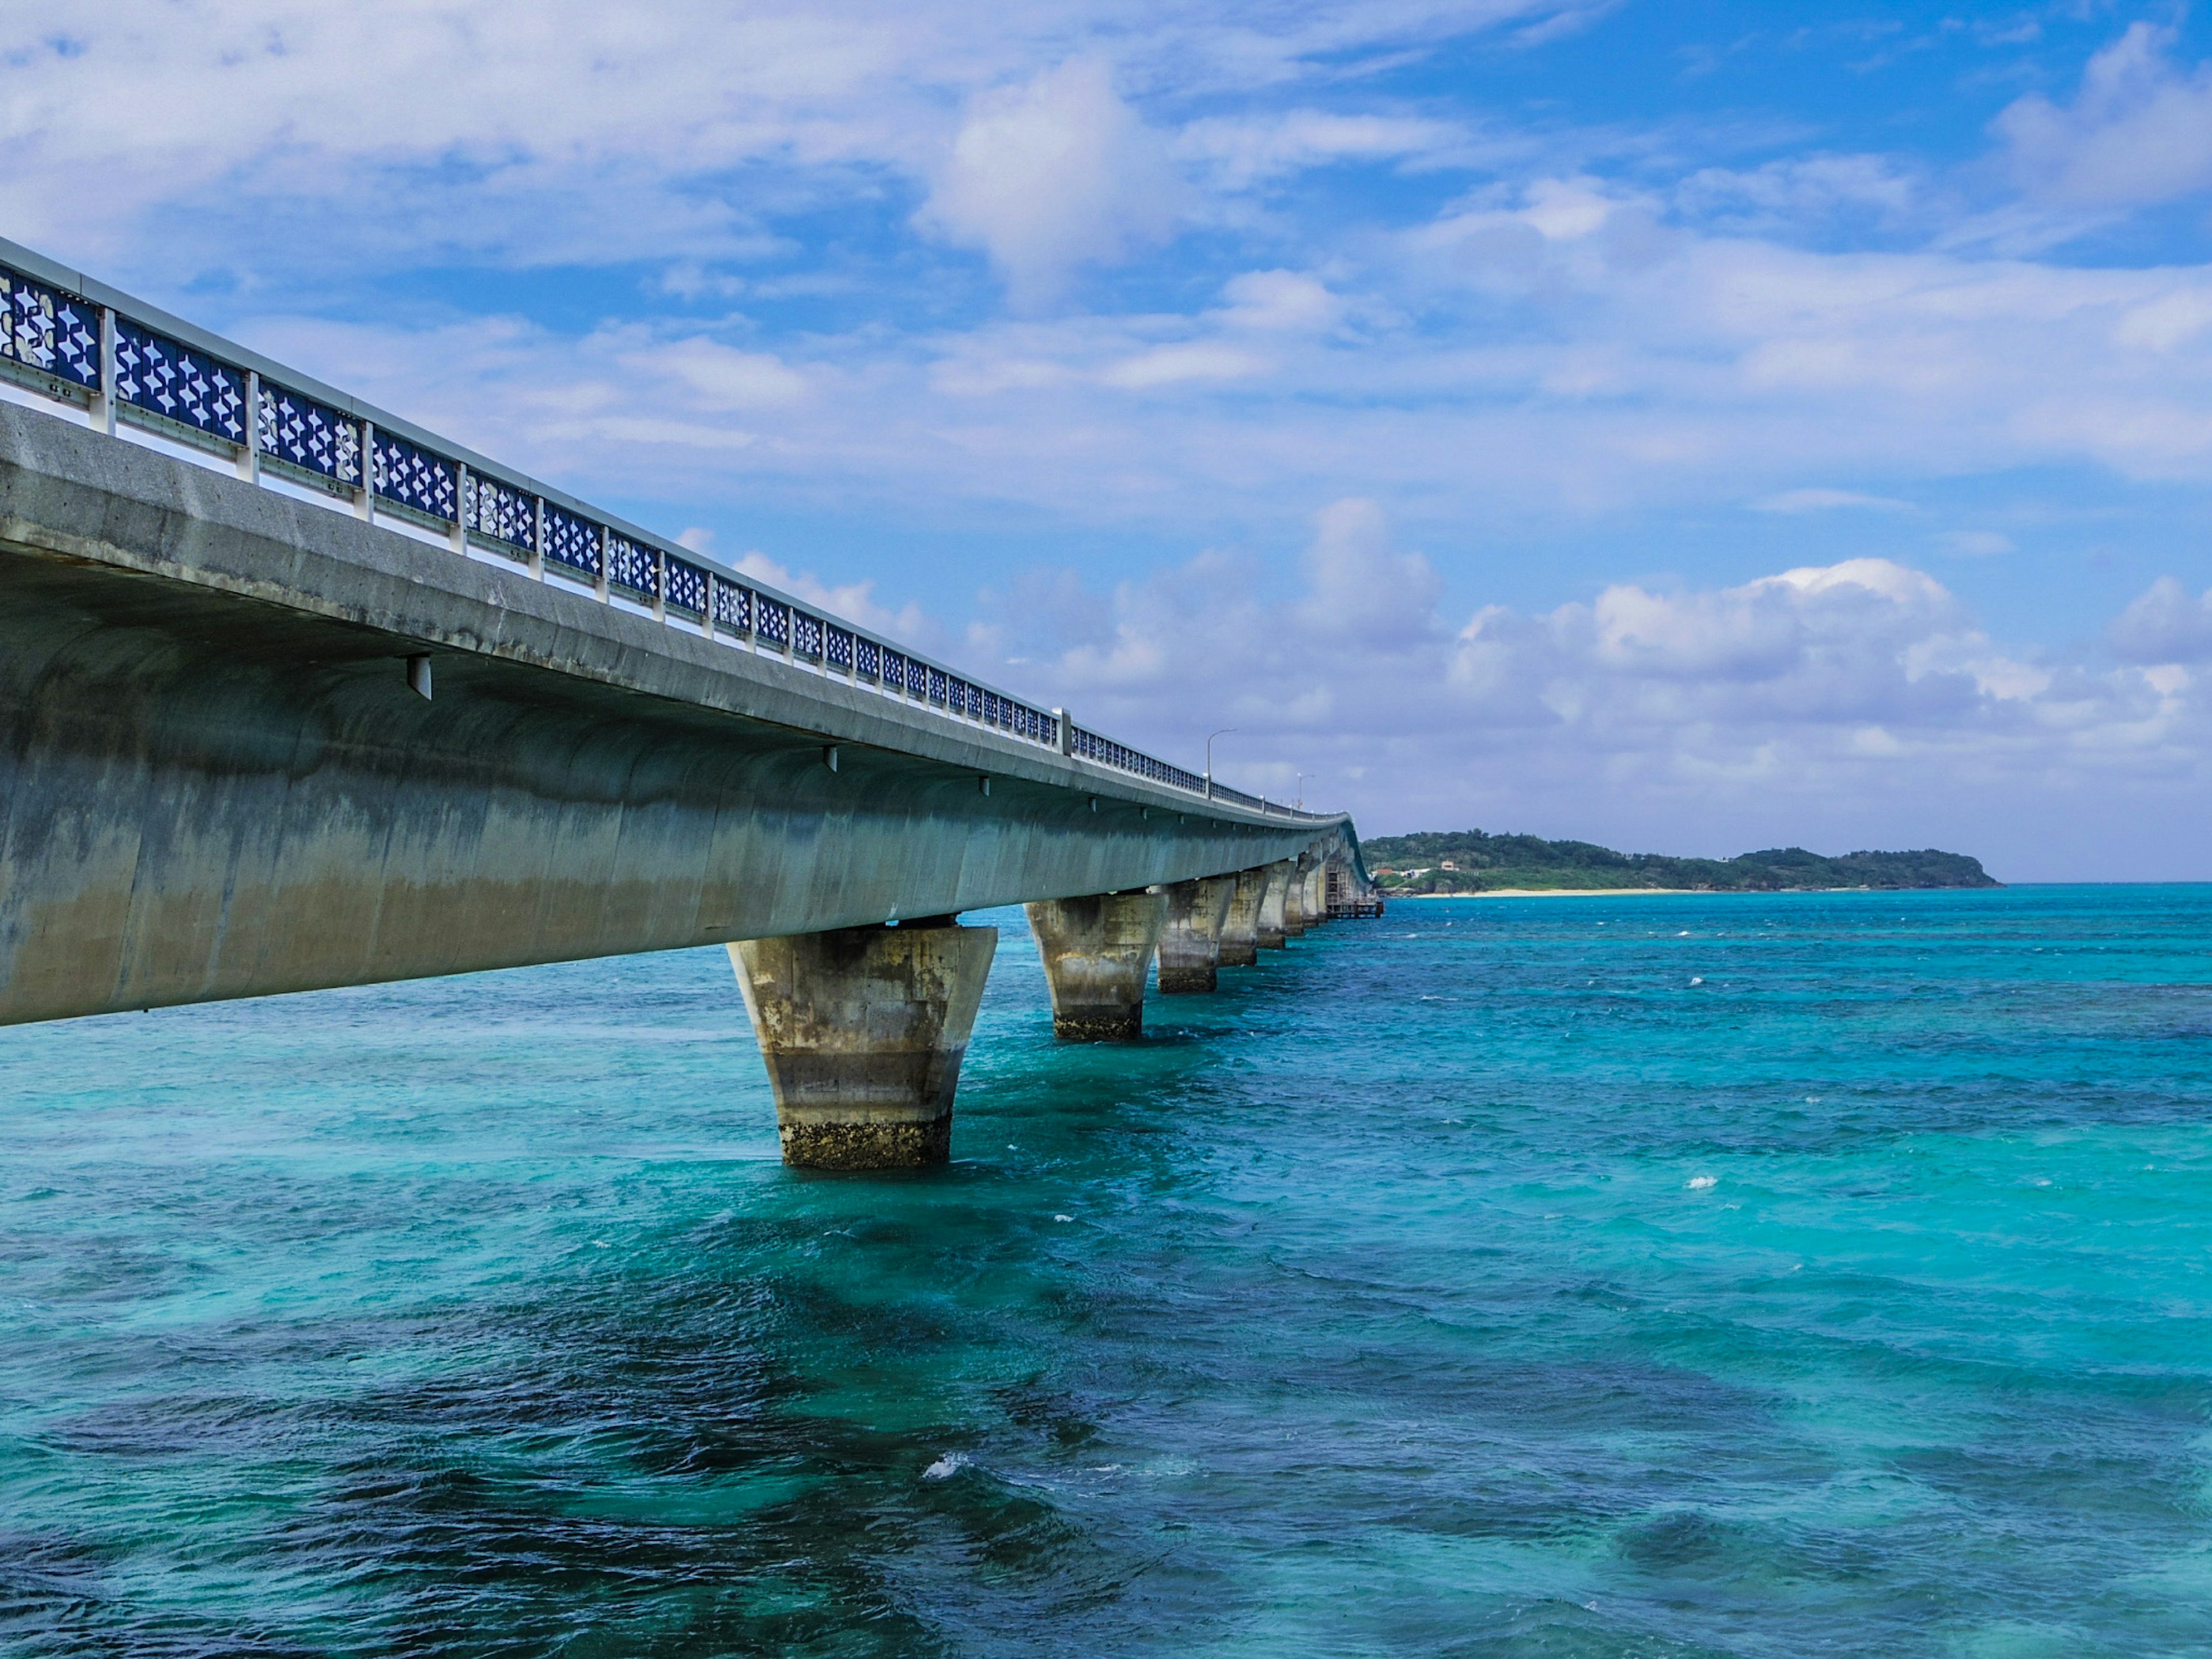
(128, 363)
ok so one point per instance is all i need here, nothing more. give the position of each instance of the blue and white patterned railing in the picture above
(127, 363)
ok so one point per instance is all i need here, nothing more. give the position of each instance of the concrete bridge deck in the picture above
(251, 744)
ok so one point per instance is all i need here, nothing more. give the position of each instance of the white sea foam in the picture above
(1698, 1184)
(951, 1463)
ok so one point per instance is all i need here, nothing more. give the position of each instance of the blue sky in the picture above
(1692, 426)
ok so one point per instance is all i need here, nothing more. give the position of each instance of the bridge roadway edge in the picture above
(215, 782)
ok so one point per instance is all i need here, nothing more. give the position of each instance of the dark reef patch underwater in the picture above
(1641, 1276)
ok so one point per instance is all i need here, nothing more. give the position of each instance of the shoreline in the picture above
(1660, 892)
(1546, 892)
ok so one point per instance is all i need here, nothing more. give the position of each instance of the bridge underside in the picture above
(216, 781)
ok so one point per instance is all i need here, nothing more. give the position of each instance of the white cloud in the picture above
(1054, 174)
(1796, 192)
(1823, 501)
(721, 377)
(2139, 131)
(1358, 587)
(1279, 300)
(2165, 623)
(1240, 152)
(1838, 705)
(1171, 365)
(1691, 371)
(2169, 319)
(258, 139)
(1974, 544)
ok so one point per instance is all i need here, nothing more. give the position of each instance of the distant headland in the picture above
(1470, 861)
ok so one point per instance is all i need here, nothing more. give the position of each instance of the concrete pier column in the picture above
(1315, 902)
(1294, 901)
(863, 1029)
(1240, 926)
(1271, 936)
(1190, 938)
(1097, 952)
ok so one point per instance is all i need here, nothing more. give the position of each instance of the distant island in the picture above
(1470, 861)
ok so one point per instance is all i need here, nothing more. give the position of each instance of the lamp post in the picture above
(1301, 791)
(1210, 737)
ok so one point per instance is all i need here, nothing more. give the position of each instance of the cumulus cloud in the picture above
(2139, 131)
(1273, 301)
(1053, 175)
(1865, 641)
(1833, 704)
(2166, 623)
(1360, 587)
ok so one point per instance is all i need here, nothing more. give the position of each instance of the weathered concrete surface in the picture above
(1239, 945)
(215, 782)
(1272, 902)
(1313, 902)
(1294, 892)
(1190, 936)
(1097, 952)
(863, 1030)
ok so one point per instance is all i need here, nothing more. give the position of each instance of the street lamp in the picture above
(1302, 776)
(1210, 737)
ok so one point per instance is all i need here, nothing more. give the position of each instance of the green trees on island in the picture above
(1470, 861)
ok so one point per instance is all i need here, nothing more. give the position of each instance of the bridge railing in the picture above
(127, 363)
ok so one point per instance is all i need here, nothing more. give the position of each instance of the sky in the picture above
(1692, 427)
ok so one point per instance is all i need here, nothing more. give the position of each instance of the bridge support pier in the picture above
(1294, 901)
(864, 1029)
(1272, 935)
(1190, 938)
(1315, 901)
(1240, 926)
(1097, 952)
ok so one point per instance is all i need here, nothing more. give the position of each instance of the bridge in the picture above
(295, 694)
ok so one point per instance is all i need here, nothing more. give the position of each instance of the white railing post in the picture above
(1067, 731)
(659, 584)
(603, 588)
(538, 538)
(364, 505)
(249, 453)
(461, 509)
(103, 406)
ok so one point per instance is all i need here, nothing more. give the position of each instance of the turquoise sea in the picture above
(1811, 1274)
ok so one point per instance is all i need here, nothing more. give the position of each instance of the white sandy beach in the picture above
(1551, 892)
